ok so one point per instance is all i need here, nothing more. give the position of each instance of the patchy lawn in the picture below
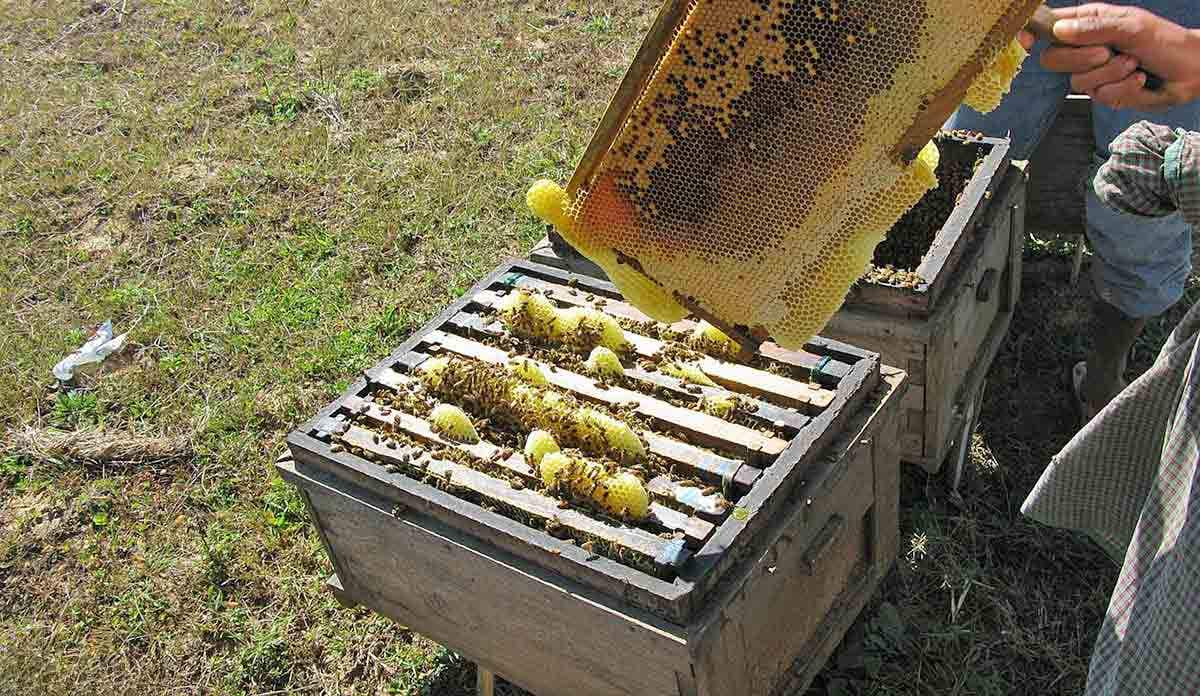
(271, 195)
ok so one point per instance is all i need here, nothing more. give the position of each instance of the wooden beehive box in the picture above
(943, 318)
(767, 534)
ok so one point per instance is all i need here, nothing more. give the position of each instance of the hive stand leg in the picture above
(1077, 261)
(485, 682)
(958, 456)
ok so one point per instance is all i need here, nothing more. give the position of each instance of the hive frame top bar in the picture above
(666, 24)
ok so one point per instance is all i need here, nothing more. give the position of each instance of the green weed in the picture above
(263, 661)
(364, 80)
(283, 508)
(599, 25)
(75, 409)
(13, 469)
(218, 544)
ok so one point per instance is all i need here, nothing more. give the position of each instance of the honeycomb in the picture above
(773, 146)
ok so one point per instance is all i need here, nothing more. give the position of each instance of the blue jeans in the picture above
(1141, 263)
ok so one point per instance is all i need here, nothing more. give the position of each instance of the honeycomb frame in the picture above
(668, 162)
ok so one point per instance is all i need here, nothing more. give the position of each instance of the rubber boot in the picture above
(1112, 340)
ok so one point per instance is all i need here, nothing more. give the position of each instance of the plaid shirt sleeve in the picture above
(1153, 171)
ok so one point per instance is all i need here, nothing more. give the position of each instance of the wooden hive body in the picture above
(810, 530)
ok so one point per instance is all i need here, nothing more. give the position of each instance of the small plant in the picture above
(217, 544)
(263, 661)
(363, 80)
(73, 410)
(392, 323)
(599, 25)
(283, 508)
(13, 470)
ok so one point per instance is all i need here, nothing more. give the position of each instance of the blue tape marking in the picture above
(673, 554)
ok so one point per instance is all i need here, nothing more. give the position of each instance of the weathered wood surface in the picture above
(489, 455)
(708, 465)
(497, 491)
(315, 460)
(816, 568)
(760, 493)
(700, 427)
(974, 213)
(611, 301)
(733, 376)
(543, 633)
(469, 324)
(778, 484)
(975, 308)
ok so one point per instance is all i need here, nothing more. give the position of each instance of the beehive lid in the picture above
(715, 482)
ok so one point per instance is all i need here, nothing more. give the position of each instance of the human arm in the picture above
(1142, 41)
(1153, 171)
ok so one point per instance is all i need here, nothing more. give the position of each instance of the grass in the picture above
(269, 196)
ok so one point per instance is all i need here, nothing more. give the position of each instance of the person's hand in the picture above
(1143, 41)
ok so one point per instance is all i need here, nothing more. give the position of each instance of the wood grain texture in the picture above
(728, 546)
(971, 217)
(960, 341)
(314, 460)
(700, 427)
(735, 377)
(471, 325)
(551, 635)
(820, 560)
(799, 463)
(621, 309)
(550, 266)
(544, 634)
(708, 466)
(497, 491)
